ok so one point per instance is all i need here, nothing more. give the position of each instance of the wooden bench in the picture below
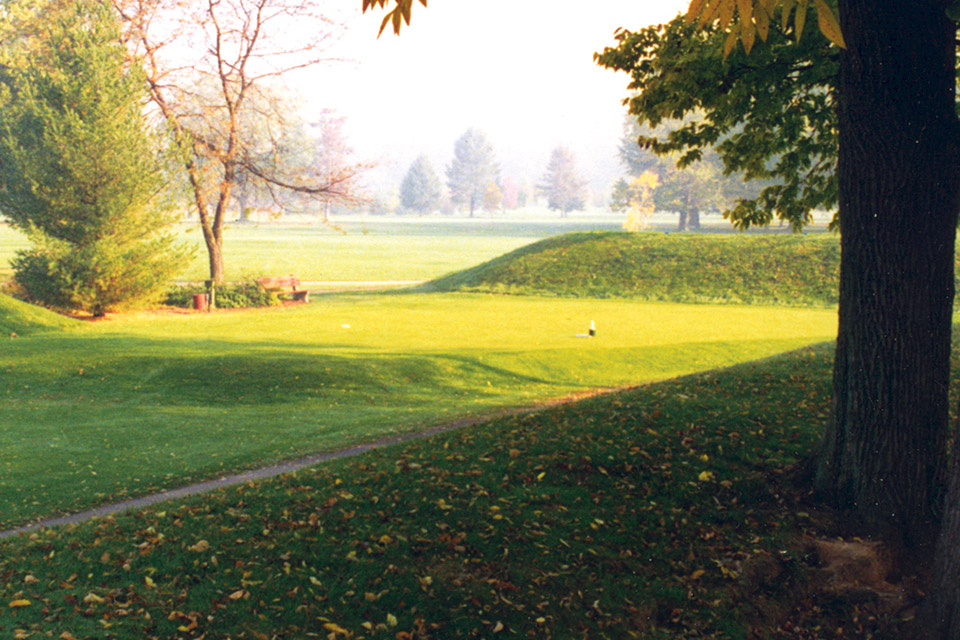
(285, 286)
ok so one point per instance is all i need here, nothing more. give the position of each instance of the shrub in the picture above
(230, 296)
(98, 277)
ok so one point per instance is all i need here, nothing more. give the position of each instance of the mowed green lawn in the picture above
(377, 250)
(144, 401)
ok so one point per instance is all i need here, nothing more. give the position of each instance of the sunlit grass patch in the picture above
(146, 401)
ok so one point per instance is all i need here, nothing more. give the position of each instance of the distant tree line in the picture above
(473, 182)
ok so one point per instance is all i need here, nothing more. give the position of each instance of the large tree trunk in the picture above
(883, 454)
(682, 225)
(940, 617)
(694, 222)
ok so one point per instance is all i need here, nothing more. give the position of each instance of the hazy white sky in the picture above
(521, 71)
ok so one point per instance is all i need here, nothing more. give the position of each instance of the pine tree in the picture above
(562, 185)
(79, 172)
(472, 170)
(421, 190)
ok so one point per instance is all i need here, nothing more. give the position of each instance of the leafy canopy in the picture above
(770, 115)
(754, 18)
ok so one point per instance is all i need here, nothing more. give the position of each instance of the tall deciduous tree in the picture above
(561, 183)
(79, 171)
(897, 170)
(472, 170)
(334, 163)
(897, 181)
(420, 190)
(209, 66)
(884, 452)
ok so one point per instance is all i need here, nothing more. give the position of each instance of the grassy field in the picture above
(663, 511)
(792, 270)
(655, 513)
(142, 401)
(358, 251)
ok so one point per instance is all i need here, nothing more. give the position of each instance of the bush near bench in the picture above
(229, 296)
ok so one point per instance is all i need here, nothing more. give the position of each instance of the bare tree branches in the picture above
(212, 66)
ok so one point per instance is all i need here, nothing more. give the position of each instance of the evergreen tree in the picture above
(562, 185)
(472, 170)
(421, 190)
(79, 172)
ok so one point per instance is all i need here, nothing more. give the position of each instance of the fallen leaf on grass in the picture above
(200, 547)
(20, 603)
(335, 628)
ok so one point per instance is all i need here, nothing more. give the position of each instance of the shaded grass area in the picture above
(793, 270)
(653, 513)
(142, 402)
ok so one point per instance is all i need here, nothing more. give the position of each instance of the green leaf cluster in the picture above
(79, 171)
(241, 295)
(770, 115)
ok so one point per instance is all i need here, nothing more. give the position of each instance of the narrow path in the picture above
(292, 465)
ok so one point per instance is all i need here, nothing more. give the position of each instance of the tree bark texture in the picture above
(215, 258)
(940, 615)
(883, 454)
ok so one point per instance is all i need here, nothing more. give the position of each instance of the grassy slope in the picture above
(138, 402)
(773, 269)
(18, 319)
(653, 513)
